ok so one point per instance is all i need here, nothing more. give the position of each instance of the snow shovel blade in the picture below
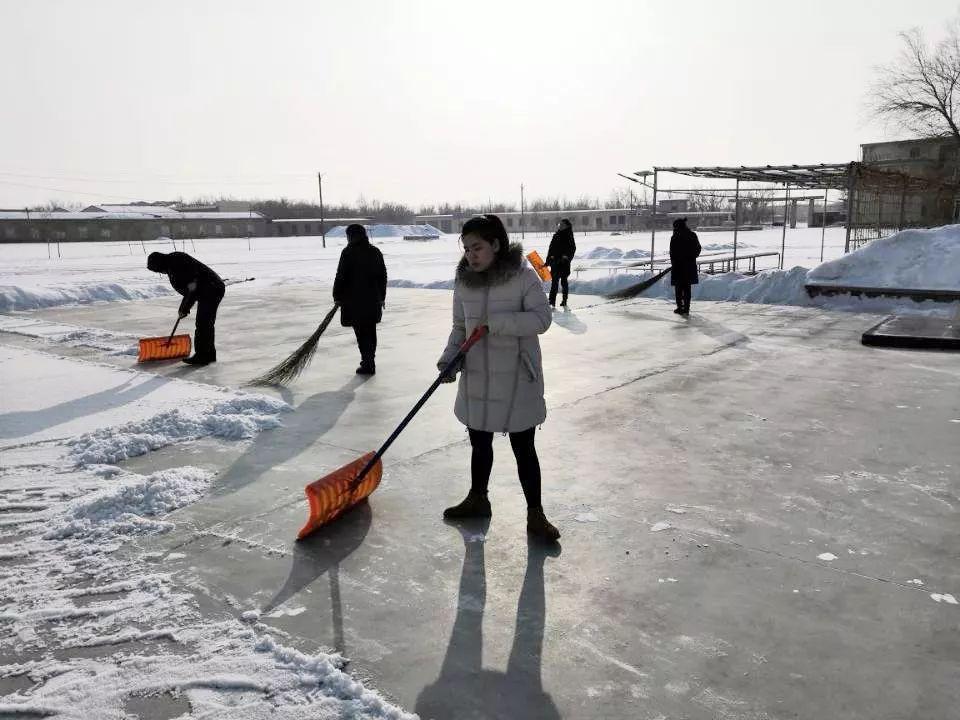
(542, 270)
(334, 494)
(164, 348)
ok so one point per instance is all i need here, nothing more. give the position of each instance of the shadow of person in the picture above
(569, 321)
(309, 421)
(22, 424)
(721, 333)
(322, 552)
(464, 688)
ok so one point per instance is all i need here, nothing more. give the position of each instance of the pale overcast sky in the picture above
(422, 102)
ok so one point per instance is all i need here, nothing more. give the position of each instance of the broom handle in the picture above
(172, 332)
(478, 333)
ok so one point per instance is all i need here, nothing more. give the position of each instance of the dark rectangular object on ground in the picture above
(918, 294)
(914, 331)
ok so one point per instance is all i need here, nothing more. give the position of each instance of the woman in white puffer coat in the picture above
(501, 377)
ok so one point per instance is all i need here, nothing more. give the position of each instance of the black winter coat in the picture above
(562, 244)
(684, 251)
(361, 284)
(184, 270)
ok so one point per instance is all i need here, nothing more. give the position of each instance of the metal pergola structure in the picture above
(849, 177)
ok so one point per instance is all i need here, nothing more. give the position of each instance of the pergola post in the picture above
(653, 219)
(736, 220)
(823, 229)
(783, 236)
(851, 189)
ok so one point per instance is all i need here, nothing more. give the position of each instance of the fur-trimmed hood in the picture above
(503, 269)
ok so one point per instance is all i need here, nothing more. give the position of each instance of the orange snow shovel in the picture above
(164, 348)
(334, 494)
(542, 270)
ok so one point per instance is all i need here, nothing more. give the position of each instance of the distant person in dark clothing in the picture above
(684, 251)
(559, 255)
(361, 291)
(198, 284)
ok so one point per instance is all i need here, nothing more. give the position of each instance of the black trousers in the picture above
(204, 335)
(562, 281)
(528, 464)
(559, 272)
(682, 293)
(367, 342)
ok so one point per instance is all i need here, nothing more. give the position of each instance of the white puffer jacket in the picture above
(501, 383)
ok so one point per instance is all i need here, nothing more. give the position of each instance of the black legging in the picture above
(528, 465)
(683, 293)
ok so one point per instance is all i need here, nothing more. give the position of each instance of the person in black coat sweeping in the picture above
(559, 255)
(684, 251)
(360, 289)
(198, 284)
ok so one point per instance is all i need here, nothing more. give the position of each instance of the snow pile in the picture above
(921, 259)
(385, 231)
(128, 506)
(72, 335)
(604, 253)
(18, 297)
(235, 419)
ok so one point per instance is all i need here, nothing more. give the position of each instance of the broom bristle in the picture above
(298, 360)
(634, 290)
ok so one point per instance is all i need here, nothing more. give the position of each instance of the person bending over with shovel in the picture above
(198, 284)
(501, 379)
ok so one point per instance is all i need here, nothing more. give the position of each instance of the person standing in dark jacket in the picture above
(198, 284)
(684, 251)
(559, 256)
(360, 289)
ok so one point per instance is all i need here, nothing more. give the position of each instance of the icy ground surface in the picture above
(92, 629)
(757, 511)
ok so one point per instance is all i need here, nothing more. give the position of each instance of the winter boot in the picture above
(199, 360)
(539, 526)
(366, 369)
(678, 311)
(475, 505)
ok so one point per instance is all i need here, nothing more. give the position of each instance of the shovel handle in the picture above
(479, 332)
(172, 332)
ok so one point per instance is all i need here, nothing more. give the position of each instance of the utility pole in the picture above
(522, 221)
(323, 229)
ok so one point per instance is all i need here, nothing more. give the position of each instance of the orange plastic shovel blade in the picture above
(157, 348)
(334, 494)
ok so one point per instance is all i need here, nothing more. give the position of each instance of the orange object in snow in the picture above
(542, 270)
(334, 494)
(164, 348)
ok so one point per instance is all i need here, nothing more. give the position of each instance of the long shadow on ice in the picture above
(465, 688)
(22, 424)
(569, 321)
(322, 552)
(310, 421)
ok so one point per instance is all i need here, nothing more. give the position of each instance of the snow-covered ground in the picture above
(90, 272)
(100, 629)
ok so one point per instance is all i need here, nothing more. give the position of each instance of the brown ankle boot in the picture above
(539, 526)
(475, 505)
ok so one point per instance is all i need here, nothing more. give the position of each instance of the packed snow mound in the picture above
(130, 506)
(604, 253)
(235, 419)
(385, 231)
(15, 297)
(922, 259)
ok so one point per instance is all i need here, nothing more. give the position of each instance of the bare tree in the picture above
(918, 90)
